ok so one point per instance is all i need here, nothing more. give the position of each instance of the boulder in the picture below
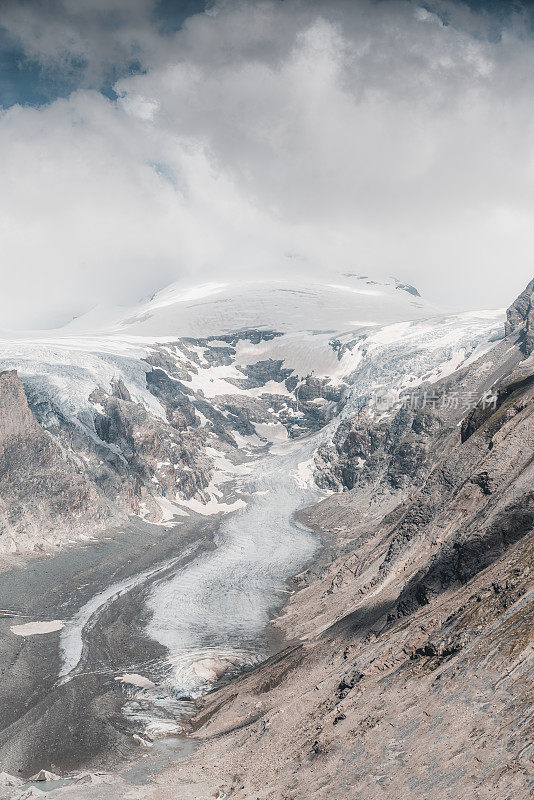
(45, 775)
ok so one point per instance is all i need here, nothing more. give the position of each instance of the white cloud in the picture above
(350, 134)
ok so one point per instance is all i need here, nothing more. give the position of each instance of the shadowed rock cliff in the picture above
(520, 319)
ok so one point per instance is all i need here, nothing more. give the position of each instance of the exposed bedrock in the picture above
(520, 319)
(39, 484)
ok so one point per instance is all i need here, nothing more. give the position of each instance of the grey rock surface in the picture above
(520, 319)
(39, 485)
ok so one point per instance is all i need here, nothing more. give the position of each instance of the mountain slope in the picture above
(414, 672)
(38, 484)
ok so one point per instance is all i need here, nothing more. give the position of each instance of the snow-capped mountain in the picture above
(154, 410)
(101, 425)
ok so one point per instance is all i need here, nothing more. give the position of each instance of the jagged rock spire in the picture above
(520, 319)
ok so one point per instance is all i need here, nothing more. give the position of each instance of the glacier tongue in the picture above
(217, 608)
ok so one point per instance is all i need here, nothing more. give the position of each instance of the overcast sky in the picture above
(143, 142)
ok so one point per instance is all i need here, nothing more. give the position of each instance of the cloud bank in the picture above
(267, 139)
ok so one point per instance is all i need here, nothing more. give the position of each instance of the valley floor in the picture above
(79, 723)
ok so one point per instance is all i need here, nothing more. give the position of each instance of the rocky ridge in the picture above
(520, 319)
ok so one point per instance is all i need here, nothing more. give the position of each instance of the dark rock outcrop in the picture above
(364, 452)
(520, 319)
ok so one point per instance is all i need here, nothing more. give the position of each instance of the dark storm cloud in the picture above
(48, 49)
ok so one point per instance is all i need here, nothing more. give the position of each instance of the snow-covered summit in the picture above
(209, 309)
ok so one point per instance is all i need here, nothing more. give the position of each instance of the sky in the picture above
(146, 142)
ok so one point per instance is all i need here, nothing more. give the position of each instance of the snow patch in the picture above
(213, 506)
(169, 510)
(37, 628)
(134, 679)
(272, 431)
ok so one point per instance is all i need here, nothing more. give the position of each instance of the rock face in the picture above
(38, 486)
(155, 457)
(520, 319)
(363, 450)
